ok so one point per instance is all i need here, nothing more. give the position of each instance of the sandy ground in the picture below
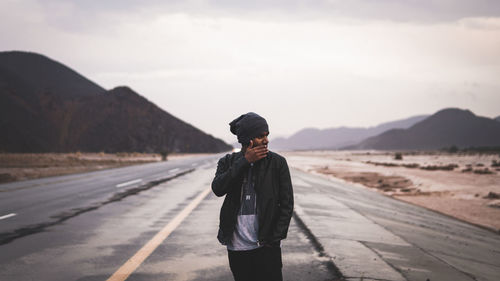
(465, 186)
(24, 166)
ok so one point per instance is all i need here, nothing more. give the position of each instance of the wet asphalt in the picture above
(102, 226)
(372, 236)
(86, 226)
(43, 203)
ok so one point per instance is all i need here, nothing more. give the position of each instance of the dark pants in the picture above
(262, 264)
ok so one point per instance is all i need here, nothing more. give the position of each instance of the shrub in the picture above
(484, 171)
(453, 149)
(448, 167)
(164, 154)
(492, 195)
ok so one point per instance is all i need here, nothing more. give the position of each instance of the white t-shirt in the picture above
(245, 235)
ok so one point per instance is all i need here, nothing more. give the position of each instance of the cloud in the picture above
(393, 10)
(488, 23)
(319, 63)
(89, 16)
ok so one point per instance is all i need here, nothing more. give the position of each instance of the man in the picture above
(258, 206)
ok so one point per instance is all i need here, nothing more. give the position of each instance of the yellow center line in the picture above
(135, 261)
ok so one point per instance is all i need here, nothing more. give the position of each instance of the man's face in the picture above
(261, 139)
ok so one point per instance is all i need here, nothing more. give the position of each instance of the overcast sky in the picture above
(297, 63)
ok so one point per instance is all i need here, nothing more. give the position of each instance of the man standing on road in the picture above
(258, 206)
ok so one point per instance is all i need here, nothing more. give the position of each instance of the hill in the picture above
(334, 138)
(445, 128)
(48, 107)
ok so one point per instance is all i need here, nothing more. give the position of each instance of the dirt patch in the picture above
(474, 211)
(394, 183)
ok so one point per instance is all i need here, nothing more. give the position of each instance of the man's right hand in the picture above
(253, 154)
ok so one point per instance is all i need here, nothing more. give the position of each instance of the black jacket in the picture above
(273, 187)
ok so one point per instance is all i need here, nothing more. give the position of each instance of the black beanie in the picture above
(248, 126)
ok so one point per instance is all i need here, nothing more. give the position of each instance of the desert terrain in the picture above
(25, 166)
(462, 185)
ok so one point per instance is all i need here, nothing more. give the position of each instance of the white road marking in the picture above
(174, 170)
(128, 183)
(134, 262)
(7, 216)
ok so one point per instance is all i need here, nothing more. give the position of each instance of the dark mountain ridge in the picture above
(29, 73)
(445, 128)
(47, 107)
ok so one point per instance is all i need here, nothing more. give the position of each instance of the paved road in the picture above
(373, 236)
(42, 203)
(87, 226)
(94, 244)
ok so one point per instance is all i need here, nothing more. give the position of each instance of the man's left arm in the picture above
(285, 207)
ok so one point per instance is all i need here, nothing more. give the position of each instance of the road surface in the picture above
(159, 222)
(99, 233)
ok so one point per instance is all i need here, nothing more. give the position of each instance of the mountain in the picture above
(497, 118)
(333, 138)
(48, 107)
(445, 128)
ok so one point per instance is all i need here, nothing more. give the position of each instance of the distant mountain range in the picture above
(335, 138)
(47, 107)
(447, 127)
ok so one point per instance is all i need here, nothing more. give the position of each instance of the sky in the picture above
(319, 63)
